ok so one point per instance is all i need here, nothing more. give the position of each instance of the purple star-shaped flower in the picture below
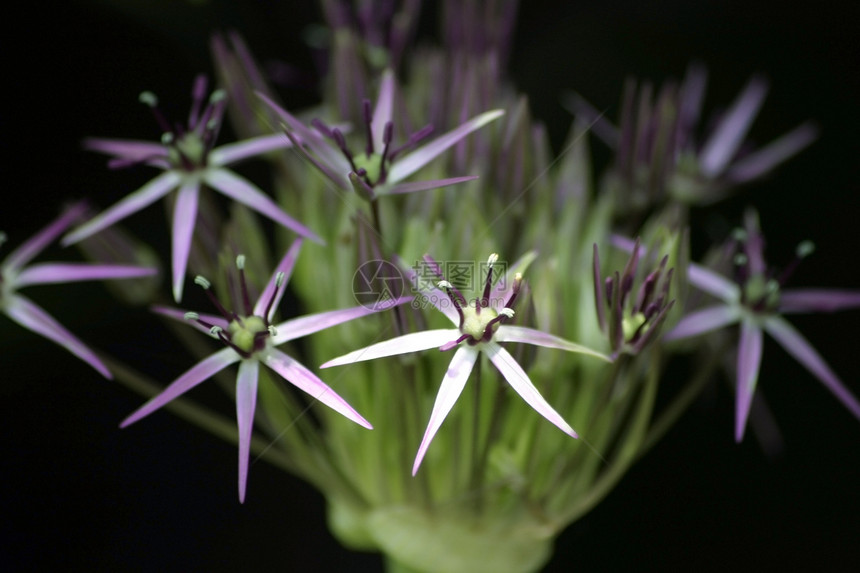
(479, 325)
(15, 275)
(380, 169)
(188, 160)
(757, 301)
(251, 339)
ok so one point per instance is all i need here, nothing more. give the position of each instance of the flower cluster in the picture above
(496, 482)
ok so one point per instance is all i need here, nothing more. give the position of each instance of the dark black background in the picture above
(77, 493)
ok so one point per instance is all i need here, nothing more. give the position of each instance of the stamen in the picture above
(322, 128)
(803, 250)
(198, 93)
(488, 283)
(449, 288)
(515, 290)
(279, 282)
(216, 331)
(387, 136)
(191, 316)
(149, 99)
(246, 299)
(199, 280)
(272, 331)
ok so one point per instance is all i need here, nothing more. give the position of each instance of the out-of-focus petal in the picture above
(452, 386)
(129, 149)
(723, 144)
(201, 371)
(408, 165)
(526, 335)
(234, 152)
(383, 112)
(50, 273)
(713, 283)
(30, 316)
(404, 188)
(246, 403)
(146, 195)
(521, 384)
(184, 218)
(765, 159)
(749, 361)
(413, 342)
(702, 321)
(796, 345)
(307, 381)
(245, 192)
(285, 266)
(817, 300)
(37, 243)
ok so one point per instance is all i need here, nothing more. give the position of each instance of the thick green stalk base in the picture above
(445, 541)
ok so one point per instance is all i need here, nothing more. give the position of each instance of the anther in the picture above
(148, 98)
(191, 316)
(240, 262)
(199, 280)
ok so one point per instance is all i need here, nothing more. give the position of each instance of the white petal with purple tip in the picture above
(408, 165)
(452, 386)
(521, 384)
(245, 192)
(246, 403)
(143, 197)
(184, 219)
(413, 342)
(307, 381)
(201, 371)
(49, 273)
(30, 316)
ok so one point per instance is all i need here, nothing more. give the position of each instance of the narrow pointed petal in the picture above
(129, 149)
(201, 371)
(245, 192)
(713, 283)
(452, 386)
(796, 345)
(50, 273)
(404, 188)
(32, 317)
(817, 300)
(526, 335)
(305, 380)
(521, 384)
(288, 261)
(176, 314)
(246, 403)
(723, 144)
(235, 152)
(184, 218)
(143, 197)
(749, 361)
(433, 296)
(702, 321)
(330, 156)
(37, 243)
(768, 157)
(594, 118)
(383, 112)
(408, 165)
(413, 342)
(304, 325)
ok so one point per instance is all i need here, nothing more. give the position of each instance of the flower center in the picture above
(248, 334)
(479, 322)
(371, 164)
